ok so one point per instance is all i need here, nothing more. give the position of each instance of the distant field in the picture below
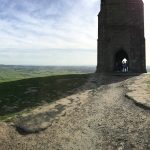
(12, 73)
(148, 69)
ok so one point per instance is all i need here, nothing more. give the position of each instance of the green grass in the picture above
(23, 88)
(13, 73)
(23, 95)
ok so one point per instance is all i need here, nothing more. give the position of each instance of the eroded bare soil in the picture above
(101, 118)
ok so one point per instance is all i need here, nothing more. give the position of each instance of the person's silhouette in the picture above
(124, 65)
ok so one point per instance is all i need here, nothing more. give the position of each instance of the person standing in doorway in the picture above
(124, 65)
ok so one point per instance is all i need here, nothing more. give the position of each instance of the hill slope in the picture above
(98, 117)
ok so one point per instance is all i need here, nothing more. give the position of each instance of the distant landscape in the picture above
(148, 69)
(11, 73)
(14, 72)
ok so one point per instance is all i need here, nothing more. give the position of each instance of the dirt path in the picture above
(104, 120)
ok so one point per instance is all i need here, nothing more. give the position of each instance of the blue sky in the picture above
(49, 32)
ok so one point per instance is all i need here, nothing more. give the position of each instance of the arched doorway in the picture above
(119, 57)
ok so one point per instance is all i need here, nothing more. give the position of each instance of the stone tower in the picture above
(121, 35)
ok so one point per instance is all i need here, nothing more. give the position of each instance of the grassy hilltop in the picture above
(23, 88)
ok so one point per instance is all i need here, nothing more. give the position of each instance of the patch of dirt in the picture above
(139, 91)
(100, 118)
(4, 131)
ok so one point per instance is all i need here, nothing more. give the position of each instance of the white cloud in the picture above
(41, 26)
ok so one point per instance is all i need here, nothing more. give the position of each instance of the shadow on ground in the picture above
(106, 79)
(18, 95)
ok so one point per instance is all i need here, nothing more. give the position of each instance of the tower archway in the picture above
(119, 57)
